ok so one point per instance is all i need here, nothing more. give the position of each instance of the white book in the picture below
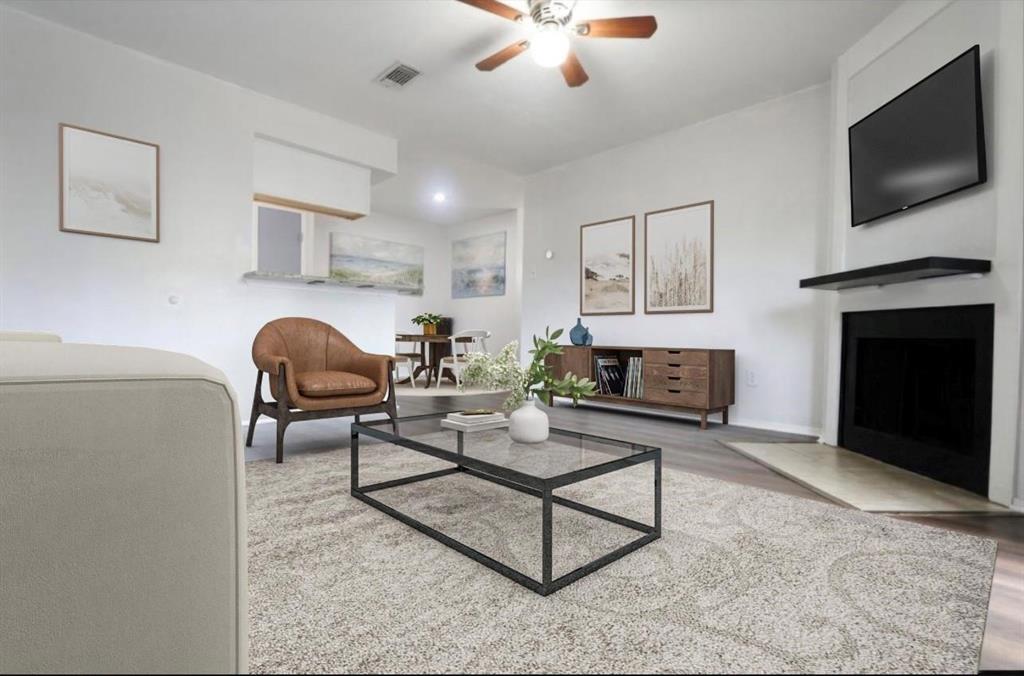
(475, 427)
(475, 419)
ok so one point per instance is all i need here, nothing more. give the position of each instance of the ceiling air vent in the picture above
(397, 75)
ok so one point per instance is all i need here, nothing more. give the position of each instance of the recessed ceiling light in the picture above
(440, 197)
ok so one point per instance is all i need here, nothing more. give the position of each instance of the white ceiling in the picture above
(707, 58)
(472, 189)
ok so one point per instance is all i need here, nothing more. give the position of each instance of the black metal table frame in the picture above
(519, 481)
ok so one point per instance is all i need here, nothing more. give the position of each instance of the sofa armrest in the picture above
(123, 509)
(29, 337)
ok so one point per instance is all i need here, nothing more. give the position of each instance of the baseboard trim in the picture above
(777, 427)
(785, 428)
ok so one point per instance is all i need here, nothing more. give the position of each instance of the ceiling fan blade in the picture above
(622, 27)
(495, 7)
(572, 71)
(500, 57)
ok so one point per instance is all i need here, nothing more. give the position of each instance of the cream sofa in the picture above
(122, 511)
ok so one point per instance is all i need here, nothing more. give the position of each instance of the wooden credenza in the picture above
(685, 379)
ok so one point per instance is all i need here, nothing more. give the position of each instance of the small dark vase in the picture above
(580, 335)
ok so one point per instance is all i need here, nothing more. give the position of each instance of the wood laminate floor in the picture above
(686, 447)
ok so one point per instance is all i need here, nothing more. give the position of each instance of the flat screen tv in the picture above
(926, 143)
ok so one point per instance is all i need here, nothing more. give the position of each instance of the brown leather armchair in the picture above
(316, 372)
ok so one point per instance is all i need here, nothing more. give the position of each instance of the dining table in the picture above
(433, 348)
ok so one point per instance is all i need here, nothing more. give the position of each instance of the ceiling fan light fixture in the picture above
(549, 47)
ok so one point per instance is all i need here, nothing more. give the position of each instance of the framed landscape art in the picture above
(607, 267)
(478, 266)
(679, 248)
(109, 185)
(376, 262)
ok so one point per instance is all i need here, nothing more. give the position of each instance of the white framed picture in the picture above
(679, 259)
(109, 185)
(607, 266)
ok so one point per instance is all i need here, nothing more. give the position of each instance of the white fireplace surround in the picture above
(983, 222)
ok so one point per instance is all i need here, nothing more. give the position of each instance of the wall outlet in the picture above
(751, 378)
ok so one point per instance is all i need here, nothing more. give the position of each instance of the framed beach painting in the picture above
(478, 266)
(607, 267)
(109, 185)
(679, 247)
(376, 262)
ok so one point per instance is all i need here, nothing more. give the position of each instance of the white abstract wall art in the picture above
(109, 185)
(679, 259)
(606, 267)
(478, 266)
(376, 262)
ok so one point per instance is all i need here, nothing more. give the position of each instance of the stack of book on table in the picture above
(474, 421)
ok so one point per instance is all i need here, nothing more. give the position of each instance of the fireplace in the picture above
(917, 390)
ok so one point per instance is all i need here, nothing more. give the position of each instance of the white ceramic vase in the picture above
(528, 424)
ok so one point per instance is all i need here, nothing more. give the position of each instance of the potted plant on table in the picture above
(527, 423)
(429, 322)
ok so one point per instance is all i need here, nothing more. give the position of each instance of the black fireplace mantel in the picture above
(898, 272)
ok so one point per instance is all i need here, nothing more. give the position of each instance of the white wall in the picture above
(97, 289)
(765, 167)
(434, 240)
(983, 222)
(498, 314)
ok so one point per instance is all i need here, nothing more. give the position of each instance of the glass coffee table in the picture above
(535, 469)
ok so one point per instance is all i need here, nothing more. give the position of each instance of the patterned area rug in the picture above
(743, 580)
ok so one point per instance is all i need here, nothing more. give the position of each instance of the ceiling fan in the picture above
(551, 25)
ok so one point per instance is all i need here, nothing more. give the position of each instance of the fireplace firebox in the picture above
(916, 390)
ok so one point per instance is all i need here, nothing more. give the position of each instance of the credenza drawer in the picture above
(676, 396)
(660, 382)
(677, 357)
(675, 371)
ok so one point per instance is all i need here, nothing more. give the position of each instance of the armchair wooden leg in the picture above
(282, 423)
(391, 404)
(257, 399)
(282, 412)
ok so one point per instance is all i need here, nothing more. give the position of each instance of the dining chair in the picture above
(409, 360)
(471, 341)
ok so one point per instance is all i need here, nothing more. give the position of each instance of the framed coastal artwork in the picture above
(679, 248)
(376, 262)
(607, 267)
(478, 266)
(109, 184)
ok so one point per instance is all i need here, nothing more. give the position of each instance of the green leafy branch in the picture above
(543, 382)
(503, 372)
(427, 318)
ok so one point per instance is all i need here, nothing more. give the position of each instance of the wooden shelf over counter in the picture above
(310, 280)
(700, 381)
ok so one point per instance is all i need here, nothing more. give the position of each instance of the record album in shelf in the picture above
(610, 378)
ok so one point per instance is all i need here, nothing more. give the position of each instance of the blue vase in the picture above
(580, 335)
